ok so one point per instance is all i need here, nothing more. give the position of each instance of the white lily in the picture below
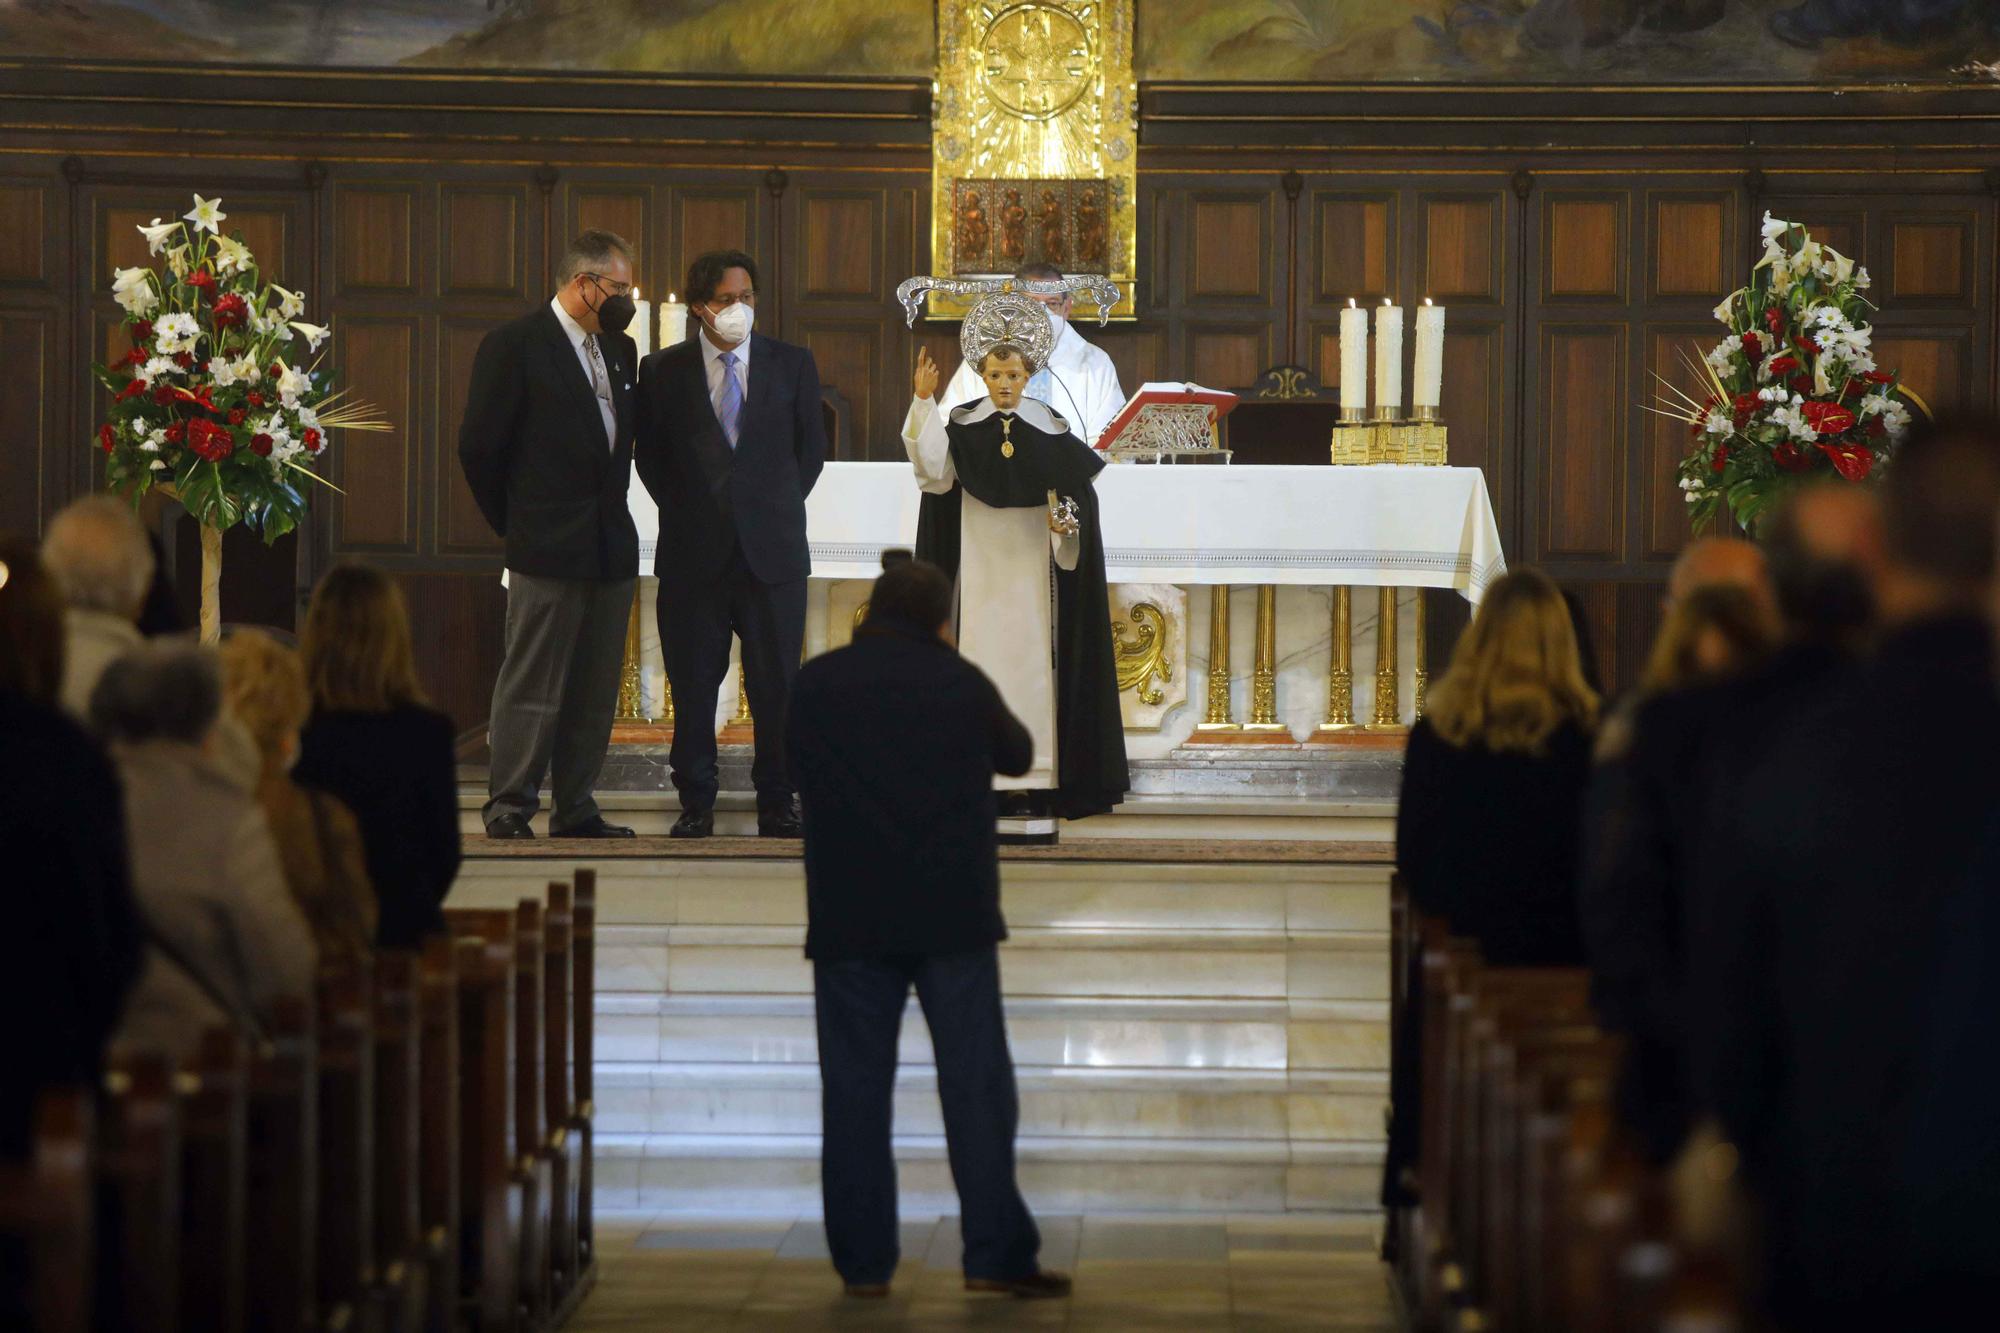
(231, 255)
(291, 384)
(290, 303)
(1839, 267)
(177, 260)
(132, 288)
(246, 370)
(1774, 228)
(206, 215)
(315, 334)
(156, 234)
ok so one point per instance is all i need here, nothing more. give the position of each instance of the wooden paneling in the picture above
(1460, 248)
(23, 233)
(844, 234)
(374, 240)
(1582, 447)
(1690, 245)
(1229, 255)
(1228, 357)
(267, 231)
(1930, 366)
(482, 242)
(1583, 247)
(1355, 248)
(1472, 397)
(378, 363)
(1929, 259)
(461, 621)
(460, 528)
(849, 356)
(713, 220)
(1673, 354)
(621, 212)
(24, 420)
(1139, 354)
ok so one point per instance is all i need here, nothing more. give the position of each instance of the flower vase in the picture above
(211, 584)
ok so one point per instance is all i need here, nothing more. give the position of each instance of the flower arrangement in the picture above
(1794, 393)
(219, 404)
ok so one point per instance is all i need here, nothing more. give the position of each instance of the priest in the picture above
(1009, 511)
(1079, 380)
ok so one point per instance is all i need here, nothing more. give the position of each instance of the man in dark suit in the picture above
(547, 450)
(1820, 915)
(894, 742)
(730, 443)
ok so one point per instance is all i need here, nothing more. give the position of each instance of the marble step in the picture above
(748, 1174)
(1088, 1032)
(1056, 1103)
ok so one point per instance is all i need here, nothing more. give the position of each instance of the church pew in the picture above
(583, 1013)
(46, 1214)
(346, 1265)
(558, 1090)
(399, 1267)
(532, 1153)
(137, 1261)
(437, 1132)
(1446, 971)
(213, 1183)
(282, 1166)
(490, 1188)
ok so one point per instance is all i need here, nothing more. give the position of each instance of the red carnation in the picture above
(132, 390)
(1774, 320)
(1877, 428)
(1787, 456)
(163, 394)
(231, 310)
(135, 357)
(1753, 348)
(1877, 376)
(201, 278)
(1802, 383)
(185, 360)
(176, 431)
(105, 438)
(1745, 404)
(236, 415)
(1721, 456)
(1852, 461)
(1827, 418)
(142, 330)
(1784, 365)
(256, 399)
(260, 445)
(312, 439)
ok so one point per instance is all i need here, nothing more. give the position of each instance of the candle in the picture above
(1427, 375)
(642, 324)
(673, 321)
(1388, 360)
(1353, 361)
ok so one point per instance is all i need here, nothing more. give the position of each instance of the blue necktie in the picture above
(732, 398)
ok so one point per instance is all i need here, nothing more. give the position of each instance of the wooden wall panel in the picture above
(1583, 247)
(461, 529)
(459, 620)
(1139, 354)
(1355, 248)
(23, 234)
(1229, 256)
(850, 358)
(378, 362)
(1672, 354)
(1930, 258)
(1690, 246)
(483, 243)
(1585, 405)
(626, 213)
(1228, 357)
(1933, 367)
(375, 240)
(843, 244)
(118, 242)
(1473, 372)
(713, 219)
(26, 348)
(1461, 248)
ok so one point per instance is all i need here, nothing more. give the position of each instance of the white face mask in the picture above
(733, 323)
(1058, 324)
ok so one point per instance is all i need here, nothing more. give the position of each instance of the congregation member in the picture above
(98, 554)
(1825, 902)
(731, 441)
(1079, 382)
(895, 740)
(319, 844)
(546, 444)
(376, 745)
(224, 939)
(73, 944)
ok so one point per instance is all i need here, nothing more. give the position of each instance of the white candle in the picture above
(642, 324)
(1427, 374)
(1389, 358)
(673, 322)
(1353, 359)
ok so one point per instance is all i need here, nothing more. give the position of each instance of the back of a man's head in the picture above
(912, 593)
(1824, 547)
(99, 556)
(1708, 561)
(166, 689)
(1938, 502)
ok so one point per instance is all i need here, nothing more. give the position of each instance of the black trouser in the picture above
(859, 1003)
(696, 620)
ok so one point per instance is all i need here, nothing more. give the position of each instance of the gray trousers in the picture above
(557, 694)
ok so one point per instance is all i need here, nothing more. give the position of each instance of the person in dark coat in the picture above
(375, 744)
(546, 445)
(894, 741)
(731, 441)
(1824, 894)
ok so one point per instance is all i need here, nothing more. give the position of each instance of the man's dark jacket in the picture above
(712, 497)
(893, 743)
(536, 456)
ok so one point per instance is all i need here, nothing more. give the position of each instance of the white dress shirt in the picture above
(711, 360)
(577, 333)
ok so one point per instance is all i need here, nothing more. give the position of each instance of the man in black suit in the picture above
(1821, 912)
(894, 742)
(730, 443)
(547, 450)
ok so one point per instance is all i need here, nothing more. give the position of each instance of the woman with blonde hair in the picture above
(319, 844)
(1493, 780)
(373, 742)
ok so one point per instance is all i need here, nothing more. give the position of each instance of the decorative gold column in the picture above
(739, 730)
(742, 717)
(1388, 700)
(1218, 720)
(1340, 667)
(631, 697)
(1264, 677)
(1423, 674)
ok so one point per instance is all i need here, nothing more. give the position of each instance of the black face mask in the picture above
(614, 312)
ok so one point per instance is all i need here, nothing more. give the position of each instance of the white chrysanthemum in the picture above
(156, 368)
(292, 384)
(132, 288)
(222, 371)
(157, 233)
(176, 332)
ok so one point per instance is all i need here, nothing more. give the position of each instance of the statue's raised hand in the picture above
(926, 380)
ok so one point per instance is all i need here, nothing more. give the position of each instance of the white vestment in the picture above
(1083, 385)
(1006, 597)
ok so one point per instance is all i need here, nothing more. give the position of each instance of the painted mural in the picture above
(1553, 41)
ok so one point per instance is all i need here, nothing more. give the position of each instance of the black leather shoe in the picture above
(693, 824)
(780, 821)
(510, 826)
(594, 827)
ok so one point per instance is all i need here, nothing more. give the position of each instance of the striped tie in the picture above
(732, 398)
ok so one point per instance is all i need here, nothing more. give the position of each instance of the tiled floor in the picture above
(1132, 1273)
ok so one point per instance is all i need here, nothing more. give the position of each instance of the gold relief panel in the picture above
(1149, 633)
(1034, 141)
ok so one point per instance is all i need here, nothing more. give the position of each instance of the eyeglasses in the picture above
(614, 288)
(720, 301)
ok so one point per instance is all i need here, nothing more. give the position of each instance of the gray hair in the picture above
(589, 253)
(166, 689)
(99, 556)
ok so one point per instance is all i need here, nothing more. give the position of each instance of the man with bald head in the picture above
(99, 557)
(1709, 561)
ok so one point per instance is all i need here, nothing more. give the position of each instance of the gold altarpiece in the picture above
(1034, 142)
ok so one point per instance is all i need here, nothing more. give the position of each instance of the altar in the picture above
(1249, 603)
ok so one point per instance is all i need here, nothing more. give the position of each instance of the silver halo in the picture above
(910, 292)
(1008, 317)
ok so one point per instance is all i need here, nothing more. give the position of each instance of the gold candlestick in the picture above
(1340, 667)
(631, 698)
(742, 718)
(1423, 676)
(1264, 678)
(1388, 704)
(1218, 717)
